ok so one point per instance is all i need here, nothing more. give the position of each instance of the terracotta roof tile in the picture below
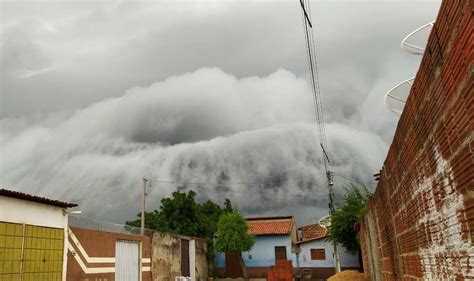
(312, 232)
(270, 226)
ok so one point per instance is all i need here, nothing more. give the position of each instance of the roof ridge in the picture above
(34, 198)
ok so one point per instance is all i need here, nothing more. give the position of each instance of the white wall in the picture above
(28, 212)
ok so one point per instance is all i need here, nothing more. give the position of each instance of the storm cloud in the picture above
(95, 97)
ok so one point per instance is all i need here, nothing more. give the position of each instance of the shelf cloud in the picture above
(97, 95)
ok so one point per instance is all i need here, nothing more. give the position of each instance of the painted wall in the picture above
(91, 254)
(419, 223)
(32, 213)
(263, 252)
(347, 260)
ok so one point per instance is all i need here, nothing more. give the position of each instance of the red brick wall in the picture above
(420, 222)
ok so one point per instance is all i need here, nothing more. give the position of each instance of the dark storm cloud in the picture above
(95, 96)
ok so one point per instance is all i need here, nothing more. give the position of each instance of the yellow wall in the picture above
(40, 248)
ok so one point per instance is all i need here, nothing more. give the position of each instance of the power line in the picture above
(355, 179)
(318, 106)
(200, 185)
(233, 183)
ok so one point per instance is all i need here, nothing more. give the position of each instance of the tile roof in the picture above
(270, 225)
(312, 232)
(29, 197)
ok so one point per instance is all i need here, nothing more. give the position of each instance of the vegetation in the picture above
(233, 237)
(346, 215)
(182, 214)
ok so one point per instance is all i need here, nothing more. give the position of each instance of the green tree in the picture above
(182, 214)
(346, 215)
(150, 220)
(233, 237)
(228, 206)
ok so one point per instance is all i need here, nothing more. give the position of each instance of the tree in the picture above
(182, 214)
(346, 215)
(150, 220)
(233, 237)
(228, 206)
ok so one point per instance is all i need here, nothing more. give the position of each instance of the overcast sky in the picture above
(96, 95)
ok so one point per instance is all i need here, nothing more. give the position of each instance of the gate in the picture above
(29, 252)
(127, 260)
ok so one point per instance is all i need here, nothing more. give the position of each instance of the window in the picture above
(318, 254)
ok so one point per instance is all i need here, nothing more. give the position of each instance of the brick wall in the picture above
(420, 222)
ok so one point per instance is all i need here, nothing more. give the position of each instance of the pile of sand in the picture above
(349, 275)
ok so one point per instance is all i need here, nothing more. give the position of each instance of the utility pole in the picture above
(337, 260)
(313, 67)
(142, 229)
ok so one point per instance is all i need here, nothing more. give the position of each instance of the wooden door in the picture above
(280, 253)
(232, 265)
(185, 271)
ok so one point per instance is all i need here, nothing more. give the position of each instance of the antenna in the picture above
(325, 221)
(397, 96)
(415, 42)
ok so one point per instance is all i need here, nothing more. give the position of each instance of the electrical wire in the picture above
(231, 183)
(315, 86)
(202, 185)
(355, 179)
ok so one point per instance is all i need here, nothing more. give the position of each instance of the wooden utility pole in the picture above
(142, 229)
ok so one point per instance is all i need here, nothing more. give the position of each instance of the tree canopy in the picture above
(182, 214)
(232, 234)
(346, 215)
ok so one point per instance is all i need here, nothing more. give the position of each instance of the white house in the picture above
(33, 237)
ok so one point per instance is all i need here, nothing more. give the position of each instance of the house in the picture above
(33, 237)
(316, 255)
(275, 239)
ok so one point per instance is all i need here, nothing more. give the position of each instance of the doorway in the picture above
(127, 260)
(280, 253)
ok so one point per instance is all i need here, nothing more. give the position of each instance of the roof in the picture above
(33, 198)
(312, 232)
(271, 225)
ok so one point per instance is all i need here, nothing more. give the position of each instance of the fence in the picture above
(93, 224)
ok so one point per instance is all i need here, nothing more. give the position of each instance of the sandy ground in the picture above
(348, 275)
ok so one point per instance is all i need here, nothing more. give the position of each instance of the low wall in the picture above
(419, 224)
(166, 259)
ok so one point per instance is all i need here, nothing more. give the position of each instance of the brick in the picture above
(429, 169)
